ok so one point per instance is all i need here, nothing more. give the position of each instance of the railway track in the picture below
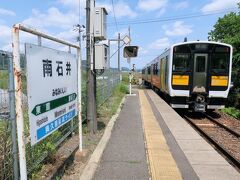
(222, 126)
(222, 137)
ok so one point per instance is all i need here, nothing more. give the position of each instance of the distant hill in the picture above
(125, 69)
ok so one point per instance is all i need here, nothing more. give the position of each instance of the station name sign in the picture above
(52, 90)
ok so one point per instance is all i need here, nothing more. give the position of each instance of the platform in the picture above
(150, 140)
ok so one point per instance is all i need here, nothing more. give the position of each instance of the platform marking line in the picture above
(161, 162)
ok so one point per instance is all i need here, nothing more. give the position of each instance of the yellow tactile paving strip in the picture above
(162, 165)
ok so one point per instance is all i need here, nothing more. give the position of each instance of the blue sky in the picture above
(57, 17)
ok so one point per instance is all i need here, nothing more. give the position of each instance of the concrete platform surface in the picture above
(125, 157)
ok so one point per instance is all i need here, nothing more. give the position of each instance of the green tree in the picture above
(227, 30)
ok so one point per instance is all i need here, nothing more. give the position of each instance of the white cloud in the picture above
(161, 43)
(6, 12)
(6, 38)
(178, 29)
(161, 12)
(151, 5)
(73, 5)
(122, 32)
(122, 9)
(5, 34)
(7, 47)
(216, 5)
(181, 5)
(142, 51)
(52, 21)
(68, 35)
(53, 18)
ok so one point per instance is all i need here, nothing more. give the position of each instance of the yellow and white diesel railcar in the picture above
(194, 75)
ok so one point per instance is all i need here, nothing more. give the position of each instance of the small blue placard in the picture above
(49, 128)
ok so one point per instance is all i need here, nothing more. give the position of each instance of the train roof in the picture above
(182, 43)
(203, 42)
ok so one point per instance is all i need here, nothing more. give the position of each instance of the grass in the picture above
(110, 107)
(3, 79)
(232, 112)
(125, 78)
(119, 92)
(5, 149)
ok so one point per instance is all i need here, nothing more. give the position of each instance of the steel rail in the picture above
(220, 148)
(222, 126)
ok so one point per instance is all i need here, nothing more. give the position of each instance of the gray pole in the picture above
(90, 83)
(13, 118)
(130, 71)
(119, 39)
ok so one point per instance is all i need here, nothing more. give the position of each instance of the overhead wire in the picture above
(186, 16)
(114, 15)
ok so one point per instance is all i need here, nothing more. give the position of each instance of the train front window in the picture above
(220, 63)
(200, 64)
(181, 62)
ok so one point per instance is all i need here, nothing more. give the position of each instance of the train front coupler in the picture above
(199, 103)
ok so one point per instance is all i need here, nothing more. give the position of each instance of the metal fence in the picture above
(35, 155)
(106, 83)
(6, 153)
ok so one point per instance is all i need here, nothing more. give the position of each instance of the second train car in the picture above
(193, 75)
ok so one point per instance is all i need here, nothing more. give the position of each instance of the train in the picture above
(194, 75)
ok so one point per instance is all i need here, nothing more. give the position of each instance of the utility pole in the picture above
(129, 61)
(119, 39)
(119, 68)
(91, 105)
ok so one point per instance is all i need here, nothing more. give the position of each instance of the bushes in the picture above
(3, 79)
(125, 78)
(121, 88)
(232, 100)
(232, 112)
(109, 108)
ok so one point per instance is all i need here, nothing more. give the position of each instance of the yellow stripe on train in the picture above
(219, 81)
(180, 80)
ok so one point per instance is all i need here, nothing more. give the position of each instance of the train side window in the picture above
(167, 65)
(149, 70)
(156, 68)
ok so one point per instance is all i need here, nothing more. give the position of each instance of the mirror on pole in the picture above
(130, 51)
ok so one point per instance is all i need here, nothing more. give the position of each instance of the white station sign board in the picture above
(52, 90)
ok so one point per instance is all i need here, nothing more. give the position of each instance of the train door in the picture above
(200, 73)
(163, 70)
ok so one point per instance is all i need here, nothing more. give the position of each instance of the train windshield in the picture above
(220, 60)
(181, 62)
